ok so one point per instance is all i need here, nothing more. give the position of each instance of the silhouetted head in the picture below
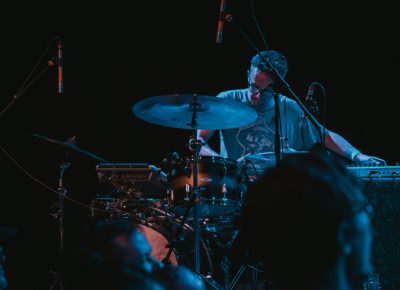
(312, 215)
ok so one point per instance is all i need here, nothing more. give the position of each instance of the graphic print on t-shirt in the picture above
(256, 137)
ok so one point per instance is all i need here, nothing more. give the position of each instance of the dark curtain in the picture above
(116, 54)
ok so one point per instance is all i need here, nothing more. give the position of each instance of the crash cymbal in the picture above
(70, 144)
(176, 111)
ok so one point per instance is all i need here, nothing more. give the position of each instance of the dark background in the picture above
(118, 54)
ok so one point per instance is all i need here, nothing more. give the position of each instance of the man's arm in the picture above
(339, 145)
(204, 136)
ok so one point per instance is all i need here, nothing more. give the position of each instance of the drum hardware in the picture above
(59, 215)
(225, 263)
(210, 282)
(195, 112)
(255, 280)
(372, 282)
(160, 229)
(218, 185)
(177, 237)
(169, 164)
(111, 206)
(70, 144)
(195, 145)
(138, 180)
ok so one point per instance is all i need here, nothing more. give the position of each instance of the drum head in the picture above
(160, 231)
(159, 244)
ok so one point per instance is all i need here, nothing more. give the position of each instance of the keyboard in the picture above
(375, 171)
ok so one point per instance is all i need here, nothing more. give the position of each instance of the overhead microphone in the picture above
(221, 20)
(60, 85)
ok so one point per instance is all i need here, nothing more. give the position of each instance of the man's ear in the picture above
(345, 236)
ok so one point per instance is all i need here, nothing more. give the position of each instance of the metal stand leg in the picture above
(58, 282)
(254, 277)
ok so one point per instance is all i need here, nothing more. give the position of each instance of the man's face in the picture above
(258, 82)
(3, 280)
(359, 261)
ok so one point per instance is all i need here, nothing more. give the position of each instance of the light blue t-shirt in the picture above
(258, 137)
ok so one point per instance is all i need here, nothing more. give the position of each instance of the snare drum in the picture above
(217, 184)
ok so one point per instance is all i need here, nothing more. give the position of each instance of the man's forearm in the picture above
(339, 145)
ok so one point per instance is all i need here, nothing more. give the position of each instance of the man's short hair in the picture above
(275, 58)
(298, 206)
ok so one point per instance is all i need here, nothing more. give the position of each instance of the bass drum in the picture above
(160, 228)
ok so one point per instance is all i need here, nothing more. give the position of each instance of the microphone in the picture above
(221, 20)
(310, 103)
(310, 92)
(60, 86)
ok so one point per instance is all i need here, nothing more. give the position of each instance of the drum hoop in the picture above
(161, 226)
(214, 159)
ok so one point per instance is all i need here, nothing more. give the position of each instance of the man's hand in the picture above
(362, 159)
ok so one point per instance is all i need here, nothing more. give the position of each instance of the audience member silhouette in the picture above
(116, 255)
(308, 222)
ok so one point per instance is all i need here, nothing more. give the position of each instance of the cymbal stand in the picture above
(59, 214)
(195, 145)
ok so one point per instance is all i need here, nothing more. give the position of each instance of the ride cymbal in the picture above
(211, 113)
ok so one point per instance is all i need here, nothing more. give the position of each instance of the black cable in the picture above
(36, 65)
(20, 167)
(25, 85)
(253, 12)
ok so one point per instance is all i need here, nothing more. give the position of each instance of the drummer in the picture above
(258, 137)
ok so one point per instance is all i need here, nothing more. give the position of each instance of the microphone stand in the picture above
(313, 120)
(277, 149)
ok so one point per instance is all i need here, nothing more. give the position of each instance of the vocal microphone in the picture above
(310, 103)
(60, 89)
(310, 92)
(221, 20)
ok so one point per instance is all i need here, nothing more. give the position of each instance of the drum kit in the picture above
(189, 209)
